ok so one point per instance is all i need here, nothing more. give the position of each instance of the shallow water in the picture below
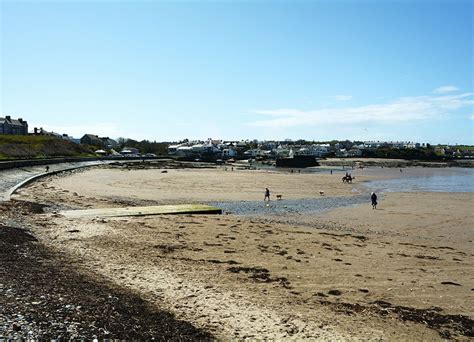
(290, 206)
(433, 180)
(409, 180)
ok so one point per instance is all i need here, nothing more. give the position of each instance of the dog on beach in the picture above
(321, 193)
(279, 197)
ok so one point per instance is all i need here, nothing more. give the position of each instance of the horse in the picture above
(347, 179)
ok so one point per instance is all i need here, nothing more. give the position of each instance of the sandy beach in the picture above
(401, 272)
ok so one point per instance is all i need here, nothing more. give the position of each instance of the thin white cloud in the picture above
(445, 89)
(342, 97)
(405, 109)
(471, 116)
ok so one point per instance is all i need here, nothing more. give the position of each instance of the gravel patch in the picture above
(290, 206)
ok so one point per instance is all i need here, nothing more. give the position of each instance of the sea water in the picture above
(441, 180)
(408, 180)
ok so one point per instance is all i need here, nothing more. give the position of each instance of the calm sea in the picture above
(441, 180)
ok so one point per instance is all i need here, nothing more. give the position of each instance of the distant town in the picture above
(222, 150)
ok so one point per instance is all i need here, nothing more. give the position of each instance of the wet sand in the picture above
(403, 271)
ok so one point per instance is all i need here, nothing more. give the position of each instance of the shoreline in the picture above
(395, 163)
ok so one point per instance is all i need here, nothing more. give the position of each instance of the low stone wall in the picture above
(32, 162)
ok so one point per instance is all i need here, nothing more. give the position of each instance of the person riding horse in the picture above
(347, 178)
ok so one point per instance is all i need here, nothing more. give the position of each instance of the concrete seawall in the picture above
(33, 162)
(11, 164)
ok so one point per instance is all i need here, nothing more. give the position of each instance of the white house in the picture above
(129, 151)
(255, 152)
(313, 150)
(173, 148)
(184, 151)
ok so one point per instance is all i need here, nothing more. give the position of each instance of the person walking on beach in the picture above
(267, 195)
(373, 197)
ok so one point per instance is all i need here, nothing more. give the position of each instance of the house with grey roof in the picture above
(95, 140)
(91, 139)
(108, 143)
(13, 126)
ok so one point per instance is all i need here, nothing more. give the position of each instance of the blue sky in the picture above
(368, 70)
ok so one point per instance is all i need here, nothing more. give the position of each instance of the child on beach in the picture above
(373, 197)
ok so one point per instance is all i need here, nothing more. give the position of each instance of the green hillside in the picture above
(26, 146)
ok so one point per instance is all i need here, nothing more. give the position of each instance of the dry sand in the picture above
(352, 273)
(177, 186)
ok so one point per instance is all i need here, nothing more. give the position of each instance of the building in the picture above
(105, 142)
(91, 139)
(12, 126)
(130, 151)
(172, 149)
(64, 136)
(229, 153)
(71, 139)
(184, 151)
(41, 131)
(108, 143)
(312, 150)
(254, 152)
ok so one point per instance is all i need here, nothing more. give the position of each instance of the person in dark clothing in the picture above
(373, 197)
(267, 195)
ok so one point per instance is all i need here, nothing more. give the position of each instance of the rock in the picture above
(335, 292)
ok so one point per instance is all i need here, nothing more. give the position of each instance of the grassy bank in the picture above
(25, 146)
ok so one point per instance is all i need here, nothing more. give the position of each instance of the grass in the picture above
(24, 139)
(29, 146)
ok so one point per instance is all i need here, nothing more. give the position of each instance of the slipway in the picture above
(143, 211)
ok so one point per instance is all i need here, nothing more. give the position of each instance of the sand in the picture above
(393, 273)
(200, 185)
